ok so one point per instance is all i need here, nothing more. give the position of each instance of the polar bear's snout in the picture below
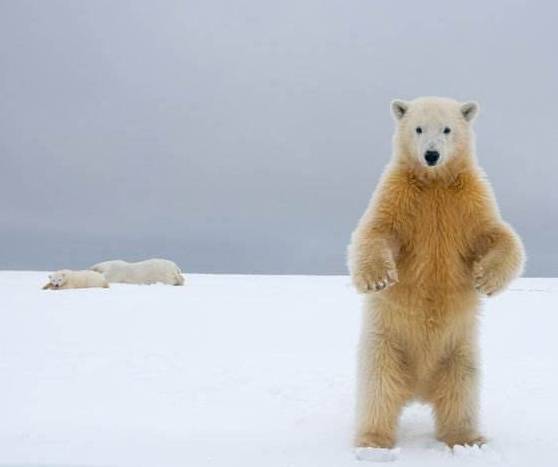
(431, 157)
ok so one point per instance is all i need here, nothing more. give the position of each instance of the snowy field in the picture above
(243, 371)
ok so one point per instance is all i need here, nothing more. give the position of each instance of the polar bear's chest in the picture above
(436, 240)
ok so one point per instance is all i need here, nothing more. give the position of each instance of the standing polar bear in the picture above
(428, 246)
(149, 271)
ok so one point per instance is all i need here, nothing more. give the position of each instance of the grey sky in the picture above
(247, 136)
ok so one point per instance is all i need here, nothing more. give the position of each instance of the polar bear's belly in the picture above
(442, 271)
(435, 275)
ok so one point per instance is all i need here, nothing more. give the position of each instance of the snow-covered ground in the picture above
(243, 371)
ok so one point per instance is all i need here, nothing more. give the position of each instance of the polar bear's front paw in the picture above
(375, 280)
(487, 280)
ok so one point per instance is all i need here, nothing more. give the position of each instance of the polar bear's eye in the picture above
(447, 130)
(418, 130)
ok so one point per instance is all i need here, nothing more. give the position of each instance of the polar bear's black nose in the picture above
(431, 157)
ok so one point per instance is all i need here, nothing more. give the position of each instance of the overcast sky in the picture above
(247, 136)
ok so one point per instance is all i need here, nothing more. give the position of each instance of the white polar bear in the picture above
(67, 279)
(430, 244)
(149, 271)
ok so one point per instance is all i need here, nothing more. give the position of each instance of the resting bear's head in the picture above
(433, 131)
(58, 278)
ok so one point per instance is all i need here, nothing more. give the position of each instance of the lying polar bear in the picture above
(149, 271)
(67, 279)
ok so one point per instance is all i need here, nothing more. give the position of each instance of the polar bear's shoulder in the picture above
(104, 265)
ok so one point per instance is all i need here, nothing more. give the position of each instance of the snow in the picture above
(243, 371)
(377, 454)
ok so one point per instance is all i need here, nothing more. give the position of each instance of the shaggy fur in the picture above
(149, 271)
(429, 245)
(67, 279)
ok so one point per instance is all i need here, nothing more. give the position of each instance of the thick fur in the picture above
(67, 279)
(430, 243)
(149, 271)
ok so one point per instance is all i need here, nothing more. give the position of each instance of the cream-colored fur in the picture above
(67, 279)
(429, 245)
(149, 271)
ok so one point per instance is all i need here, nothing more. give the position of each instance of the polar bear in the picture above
(67, 279)
(149, 271)
(429, 245)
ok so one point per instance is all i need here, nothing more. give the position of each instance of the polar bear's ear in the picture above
(469, 110)
(399, 108)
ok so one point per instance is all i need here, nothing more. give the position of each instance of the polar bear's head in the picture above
(58, 279)
(433, 131)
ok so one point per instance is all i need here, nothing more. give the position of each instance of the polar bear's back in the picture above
(148, 271)
(83, 279)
